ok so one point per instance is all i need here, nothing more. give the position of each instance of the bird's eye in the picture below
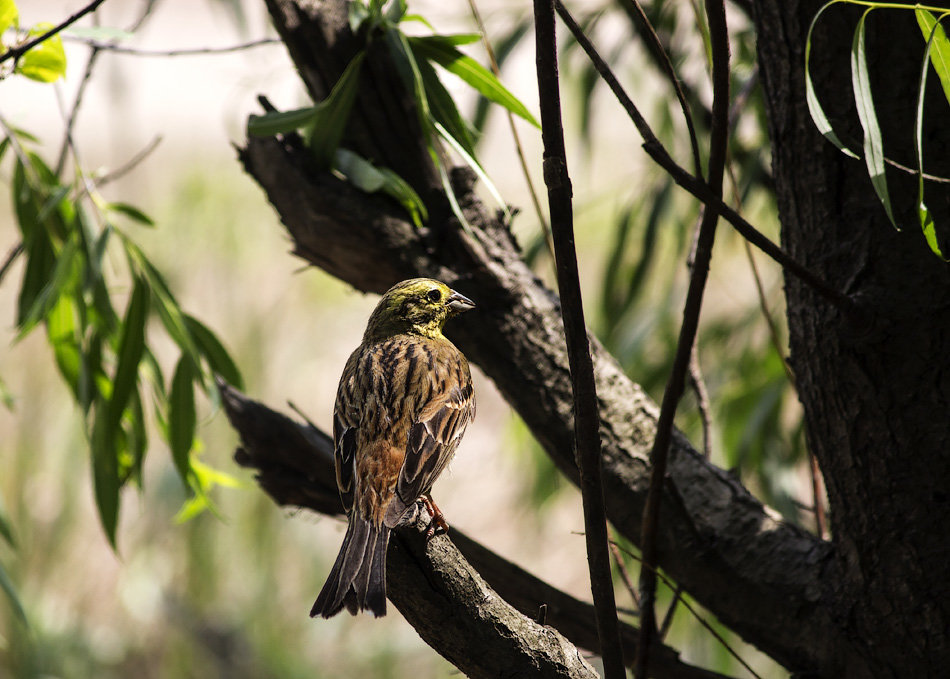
(434, 295)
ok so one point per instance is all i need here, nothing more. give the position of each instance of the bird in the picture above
(404, 400)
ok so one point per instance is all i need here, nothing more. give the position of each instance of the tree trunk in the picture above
(876, 392)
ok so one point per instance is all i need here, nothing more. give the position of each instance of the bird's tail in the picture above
(358, 578)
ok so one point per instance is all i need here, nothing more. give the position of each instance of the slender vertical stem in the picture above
(719, 133)
(586, 415)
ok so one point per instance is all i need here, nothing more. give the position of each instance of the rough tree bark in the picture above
(824, 609)
(877, 398)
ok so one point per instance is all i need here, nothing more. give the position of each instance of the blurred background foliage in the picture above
(227, 595)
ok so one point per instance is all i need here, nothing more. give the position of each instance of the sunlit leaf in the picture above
(63, 337)
(333, 113)
(811, 98)
(47, 61)
(938, 46)
(442, 51)
(214, 352)
(65, 272)
(181, 415)
(367, 177)
(8, 16)
(923, 212)
(873, 143)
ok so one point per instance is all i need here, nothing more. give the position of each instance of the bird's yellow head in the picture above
(418, 306)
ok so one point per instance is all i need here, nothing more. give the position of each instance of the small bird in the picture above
(404, 401)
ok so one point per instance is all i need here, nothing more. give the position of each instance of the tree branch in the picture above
(769, 581)
(20, 50)
(294, 464)
(719, 137)
(586, 439)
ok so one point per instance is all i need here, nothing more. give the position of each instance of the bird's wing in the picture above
(346, 421)
(433, 438)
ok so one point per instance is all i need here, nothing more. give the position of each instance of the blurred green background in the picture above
(228, 596)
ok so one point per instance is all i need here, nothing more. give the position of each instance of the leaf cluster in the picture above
(46, 62)
(414, 59)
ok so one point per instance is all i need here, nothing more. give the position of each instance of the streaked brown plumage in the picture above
(404, 400)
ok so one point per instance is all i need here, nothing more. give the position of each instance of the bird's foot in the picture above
(438, 523)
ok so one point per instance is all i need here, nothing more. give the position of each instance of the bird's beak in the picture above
(457, 303)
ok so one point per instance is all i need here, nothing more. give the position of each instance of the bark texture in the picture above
(876, 397)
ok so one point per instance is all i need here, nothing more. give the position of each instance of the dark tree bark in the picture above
(876, 398)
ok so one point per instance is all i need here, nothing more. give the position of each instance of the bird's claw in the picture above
(438, 523)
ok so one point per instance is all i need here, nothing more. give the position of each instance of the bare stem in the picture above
(586, 414)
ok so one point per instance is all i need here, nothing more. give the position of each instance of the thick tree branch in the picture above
(294, 465)
(762, 577)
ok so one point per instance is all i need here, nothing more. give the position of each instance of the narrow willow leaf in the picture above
(99, 33)
(443, 52)
(814, 106)
(137, 435)
(503, 49)
(181, 415)
(6, 531)
(63, 337)
(280, 122)
(214, 352)
(8, 16)
(923, 212)
(64, 272)
(131, 212)
(873, 143)
(367, 177)
(443, 107)
(938, 46)
(47, 61)
(476, 167)
(7, 586)
(333, 113)
(408, 69)
(131, 348)
(105, 471)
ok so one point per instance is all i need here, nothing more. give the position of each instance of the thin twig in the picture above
(15, 252)
(18, 51)
(67, 143)
(519, 149)
(702, 621)
(719, 136)
(130, 164)
(586, 414)
(670, 612)
(698, 188)
(821, 521)
(624, 574)
(185, 52)
(661, 56)
(698, 384)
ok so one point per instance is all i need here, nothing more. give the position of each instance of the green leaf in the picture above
(923, 212)
(181, 415)
(814, 106)
(6, 532)
(443, 107)
(64, 273)
(214, 352)
(137, 435)
(938, 46)
(436, 48)
(873, 143)
(47, 61)
(8, 16)
(358, 13)
(7, 586)
(476, 166)
(131, 348)
(333, 113)
(131, 212)
(100, 33)
(369, 178)
(280, 122)
(105, 470)
(63, 337)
